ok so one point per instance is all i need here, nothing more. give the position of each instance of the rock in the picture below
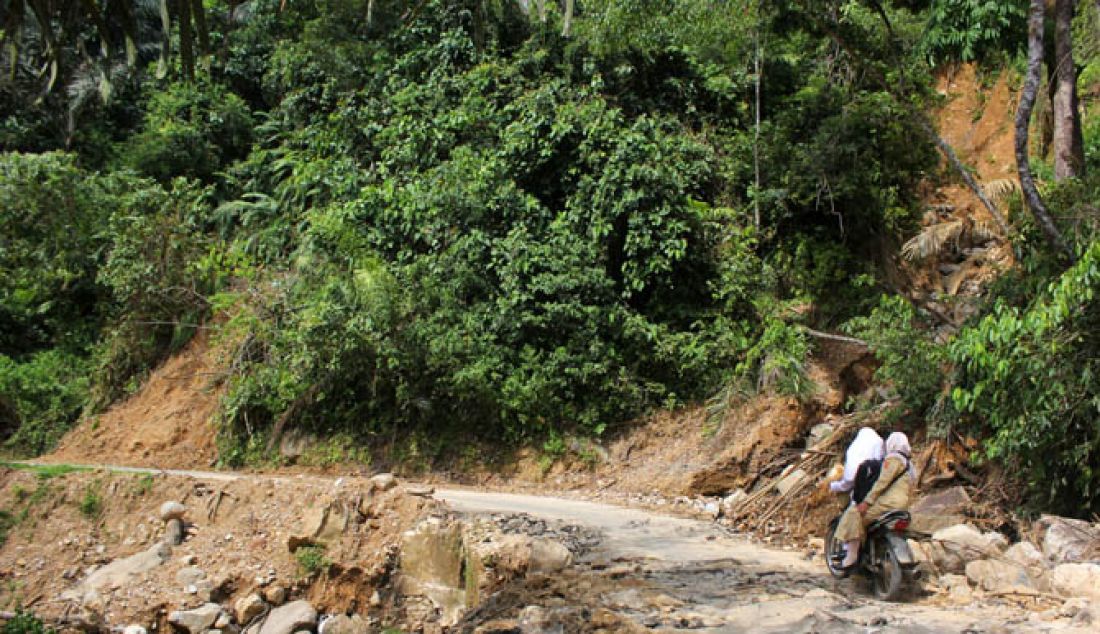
(342, 624)
(173, 532)
(294, 444)
(420, 490)
(289, 618)
(1068, 540)
(536, 619)
(321, 524)
(940, 510)
(1076, 580)
(819, 433)
(195, 621)
(172, 511)
(275, 595)
(134, 629)
(248, 607)
(548, 555)
(952, 547)
(712, 509)
(190, 576)
(790, 481)
(118, 573)
(383, 481)
(958, 588)
(998, 576)
(432, 565)
(1027, 555)
(730, 503)
(1072, 607)
(223, 621)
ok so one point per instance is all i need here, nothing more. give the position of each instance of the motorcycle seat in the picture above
(887, 519)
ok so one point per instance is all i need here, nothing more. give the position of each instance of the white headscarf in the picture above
(867, 446)
(897, 444)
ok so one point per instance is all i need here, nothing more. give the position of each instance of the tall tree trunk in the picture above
(1023, 124)
(199, 14)
(187, 55)
(567, 19)
(1069, 145)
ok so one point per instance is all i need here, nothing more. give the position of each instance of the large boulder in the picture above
(432, 565)
(1076, 580)
(195, 621)
(1068, 540)
(548, 555)
(993, 575)
(953, 547)
(1026, 555)
(790, 481)
(940, 510)
(119, 573)
(383, 481)
(290, 618)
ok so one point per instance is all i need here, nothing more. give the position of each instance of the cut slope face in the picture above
(166, 424)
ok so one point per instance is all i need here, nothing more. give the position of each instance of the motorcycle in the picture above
(884, 556)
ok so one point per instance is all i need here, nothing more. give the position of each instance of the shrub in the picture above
(968, 30)
(1028, 377)
(311, 560)
(26, 623)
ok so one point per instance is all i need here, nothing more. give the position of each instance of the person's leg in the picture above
(850, 531)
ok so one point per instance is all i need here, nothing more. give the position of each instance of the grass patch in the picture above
(91, 505)
(311, 560)
(45, 471)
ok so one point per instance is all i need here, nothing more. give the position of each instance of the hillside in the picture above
(476, 240)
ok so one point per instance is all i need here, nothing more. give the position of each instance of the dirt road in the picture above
(675, 574)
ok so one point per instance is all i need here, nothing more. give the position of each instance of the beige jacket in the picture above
(893, 488)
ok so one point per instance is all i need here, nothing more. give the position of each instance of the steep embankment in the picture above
(167, 423)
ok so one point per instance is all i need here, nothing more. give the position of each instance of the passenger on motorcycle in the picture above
(868, 445)
(891, 492)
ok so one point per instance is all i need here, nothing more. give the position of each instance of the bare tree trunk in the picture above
(567, 19)
(756, 132)
(1069, 145)
(1023, 123)
(541, 4)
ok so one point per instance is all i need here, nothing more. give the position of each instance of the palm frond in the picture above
(932, 239)
(1000, 189)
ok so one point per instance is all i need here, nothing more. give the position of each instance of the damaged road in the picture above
(675, 574)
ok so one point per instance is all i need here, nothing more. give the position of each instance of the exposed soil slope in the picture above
(166, 424)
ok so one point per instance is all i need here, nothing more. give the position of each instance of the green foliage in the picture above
(26, 623)
(7, 522)
(192, 130)
(91, 504)
(311, 560)
(48, 390)
(158, 271)
(1028, 377)
(53, 218)
(968, 30)
(911, 363)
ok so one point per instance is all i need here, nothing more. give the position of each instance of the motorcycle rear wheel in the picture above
(889, 578)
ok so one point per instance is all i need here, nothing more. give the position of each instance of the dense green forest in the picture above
(498, 221)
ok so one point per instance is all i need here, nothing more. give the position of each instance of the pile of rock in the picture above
(971, 562)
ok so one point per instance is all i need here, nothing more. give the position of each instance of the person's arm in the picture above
(841, 486)
(886, 477)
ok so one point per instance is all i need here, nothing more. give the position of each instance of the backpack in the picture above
(866, 475)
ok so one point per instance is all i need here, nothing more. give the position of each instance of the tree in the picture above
(1023, 124)
(1069, 145)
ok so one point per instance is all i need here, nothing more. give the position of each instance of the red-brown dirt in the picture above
(166, 424)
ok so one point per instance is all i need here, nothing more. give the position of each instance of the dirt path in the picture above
(675, 574)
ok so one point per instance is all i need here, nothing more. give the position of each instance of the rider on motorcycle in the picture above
(891, 492)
